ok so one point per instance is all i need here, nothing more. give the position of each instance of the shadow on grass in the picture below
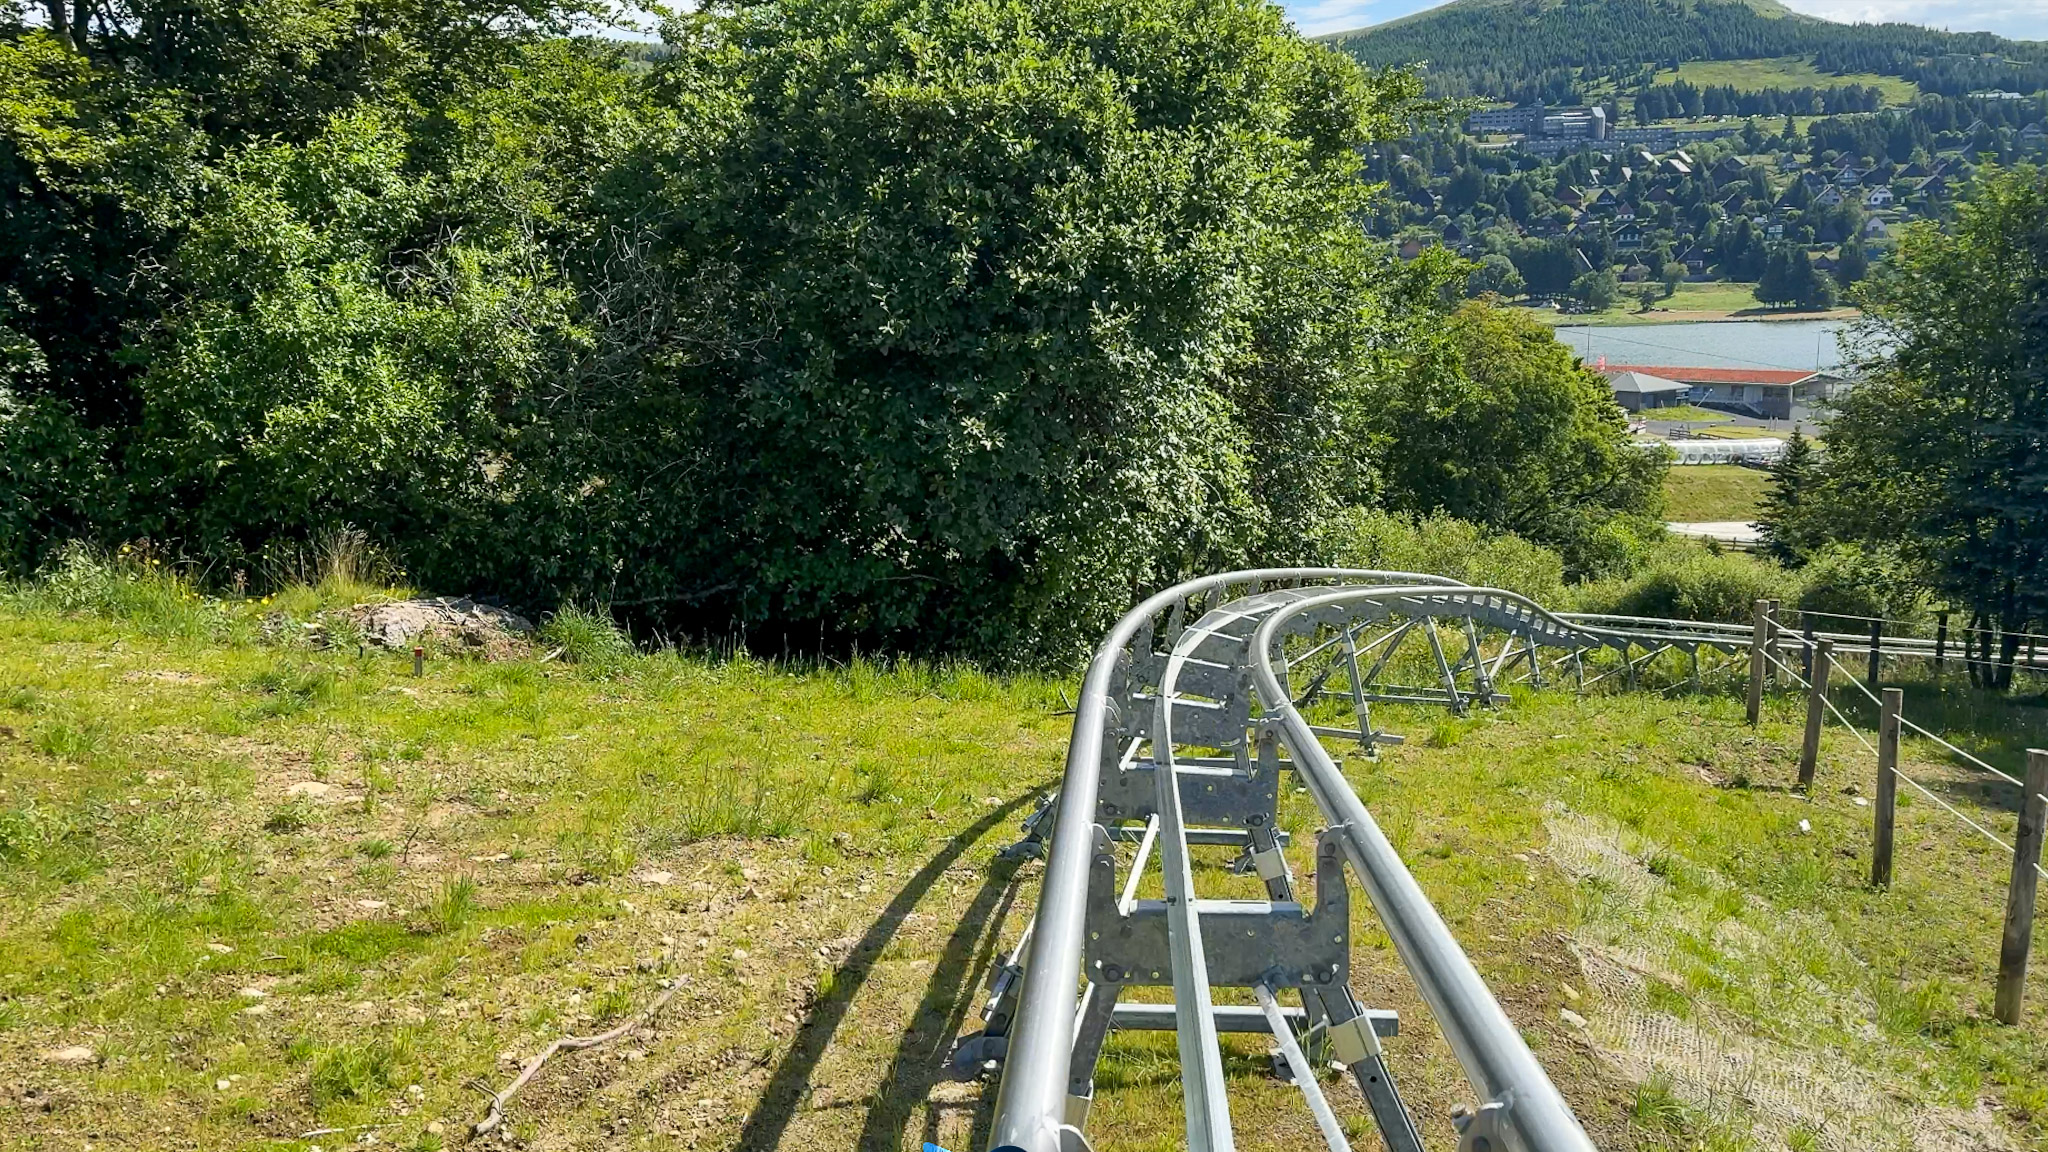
(919, 1057)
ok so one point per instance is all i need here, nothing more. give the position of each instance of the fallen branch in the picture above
(496, 1116)
(338, 1131)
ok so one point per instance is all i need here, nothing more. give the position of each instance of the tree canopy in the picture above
(926, 324)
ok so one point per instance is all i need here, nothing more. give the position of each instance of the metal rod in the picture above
(1304, 1074)
(1485, 1042)
(1138, 862)
(1207, 1102)
(1443, 666)
(1359, 708)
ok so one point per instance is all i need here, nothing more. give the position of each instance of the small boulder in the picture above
(71, 1054)
(399, 624)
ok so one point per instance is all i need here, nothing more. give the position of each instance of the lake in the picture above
(1805, 345)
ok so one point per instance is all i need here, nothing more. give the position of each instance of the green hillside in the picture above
(1557, 50)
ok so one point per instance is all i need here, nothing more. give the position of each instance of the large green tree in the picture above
(1498, 423)
(1943, 450)
(967, 319)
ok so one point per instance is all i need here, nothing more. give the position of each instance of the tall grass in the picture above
(588, 637)
(131, 584)
(340, 568)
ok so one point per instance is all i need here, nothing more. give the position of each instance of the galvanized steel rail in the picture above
(1183, 746)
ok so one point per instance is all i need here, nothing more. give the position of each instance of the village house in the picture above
(1636, 390)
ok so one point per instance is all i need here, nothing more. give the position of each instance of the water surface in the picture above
(1805, 345)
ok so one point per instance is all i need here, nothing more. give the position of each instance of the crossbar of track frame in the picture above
(1394, 639)
(1630, 665)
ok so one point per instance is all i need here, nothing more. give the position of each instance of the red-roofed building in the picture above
(1770, 393)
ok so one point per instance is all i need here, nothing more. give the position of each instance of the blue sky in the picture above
(2020, 19)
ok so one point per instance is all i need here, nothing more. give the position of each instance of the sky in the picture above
(2019, 19)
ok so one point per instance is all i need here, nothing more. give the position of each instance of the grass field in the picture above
(1688, 413)
(1784, 72)
(274, 890)
(1692, 303)
(1704, 492)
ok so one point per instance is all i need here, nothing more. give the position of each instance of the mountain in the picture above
(1556, 50)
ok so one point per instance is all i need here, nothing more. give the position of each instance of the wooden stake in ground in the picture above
(1822, 663)
(496, 1115)
(1886, 805)
(1756, 660)
(2019, 899)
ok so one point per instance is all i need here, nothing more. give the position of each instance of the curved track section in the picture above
(1192, 708)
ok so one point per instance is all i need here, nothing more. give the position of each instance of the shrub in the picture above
(1855, 581)
(1445, 546)
(1685, 582)
(1496, 423)
(131, 585)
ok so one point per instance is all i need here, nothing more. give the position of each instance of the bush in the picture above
(1853, 581)
(1444, 546)
(1685, 582)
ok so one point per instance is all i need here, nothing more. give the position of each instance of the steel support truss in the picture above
(1191, 710)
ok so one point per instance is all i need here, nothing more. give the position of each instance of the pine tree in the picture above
(1853, 264)
(1779, 516)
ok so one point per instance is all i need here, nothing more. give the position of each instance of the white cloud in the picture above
(2019, 19)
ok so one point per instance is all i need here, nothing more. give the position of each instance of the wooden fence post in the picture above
(1756, 660)
(1940, 643)
(1771, 642)
(1806, 649)
(1816, 710)
(1876, 653)
(2019, 899)
(1886, 804)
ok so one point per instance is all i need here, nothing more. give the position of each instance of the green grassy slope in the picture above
(276, 889)
(1713, 492)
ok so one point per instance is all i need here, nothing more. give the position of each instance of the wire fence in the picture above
(1834, 665)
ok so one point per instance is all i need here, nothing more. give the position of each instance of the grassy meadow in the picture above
(1694, 302)
(1755, 75)
(1703, 492)
(283, 896)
